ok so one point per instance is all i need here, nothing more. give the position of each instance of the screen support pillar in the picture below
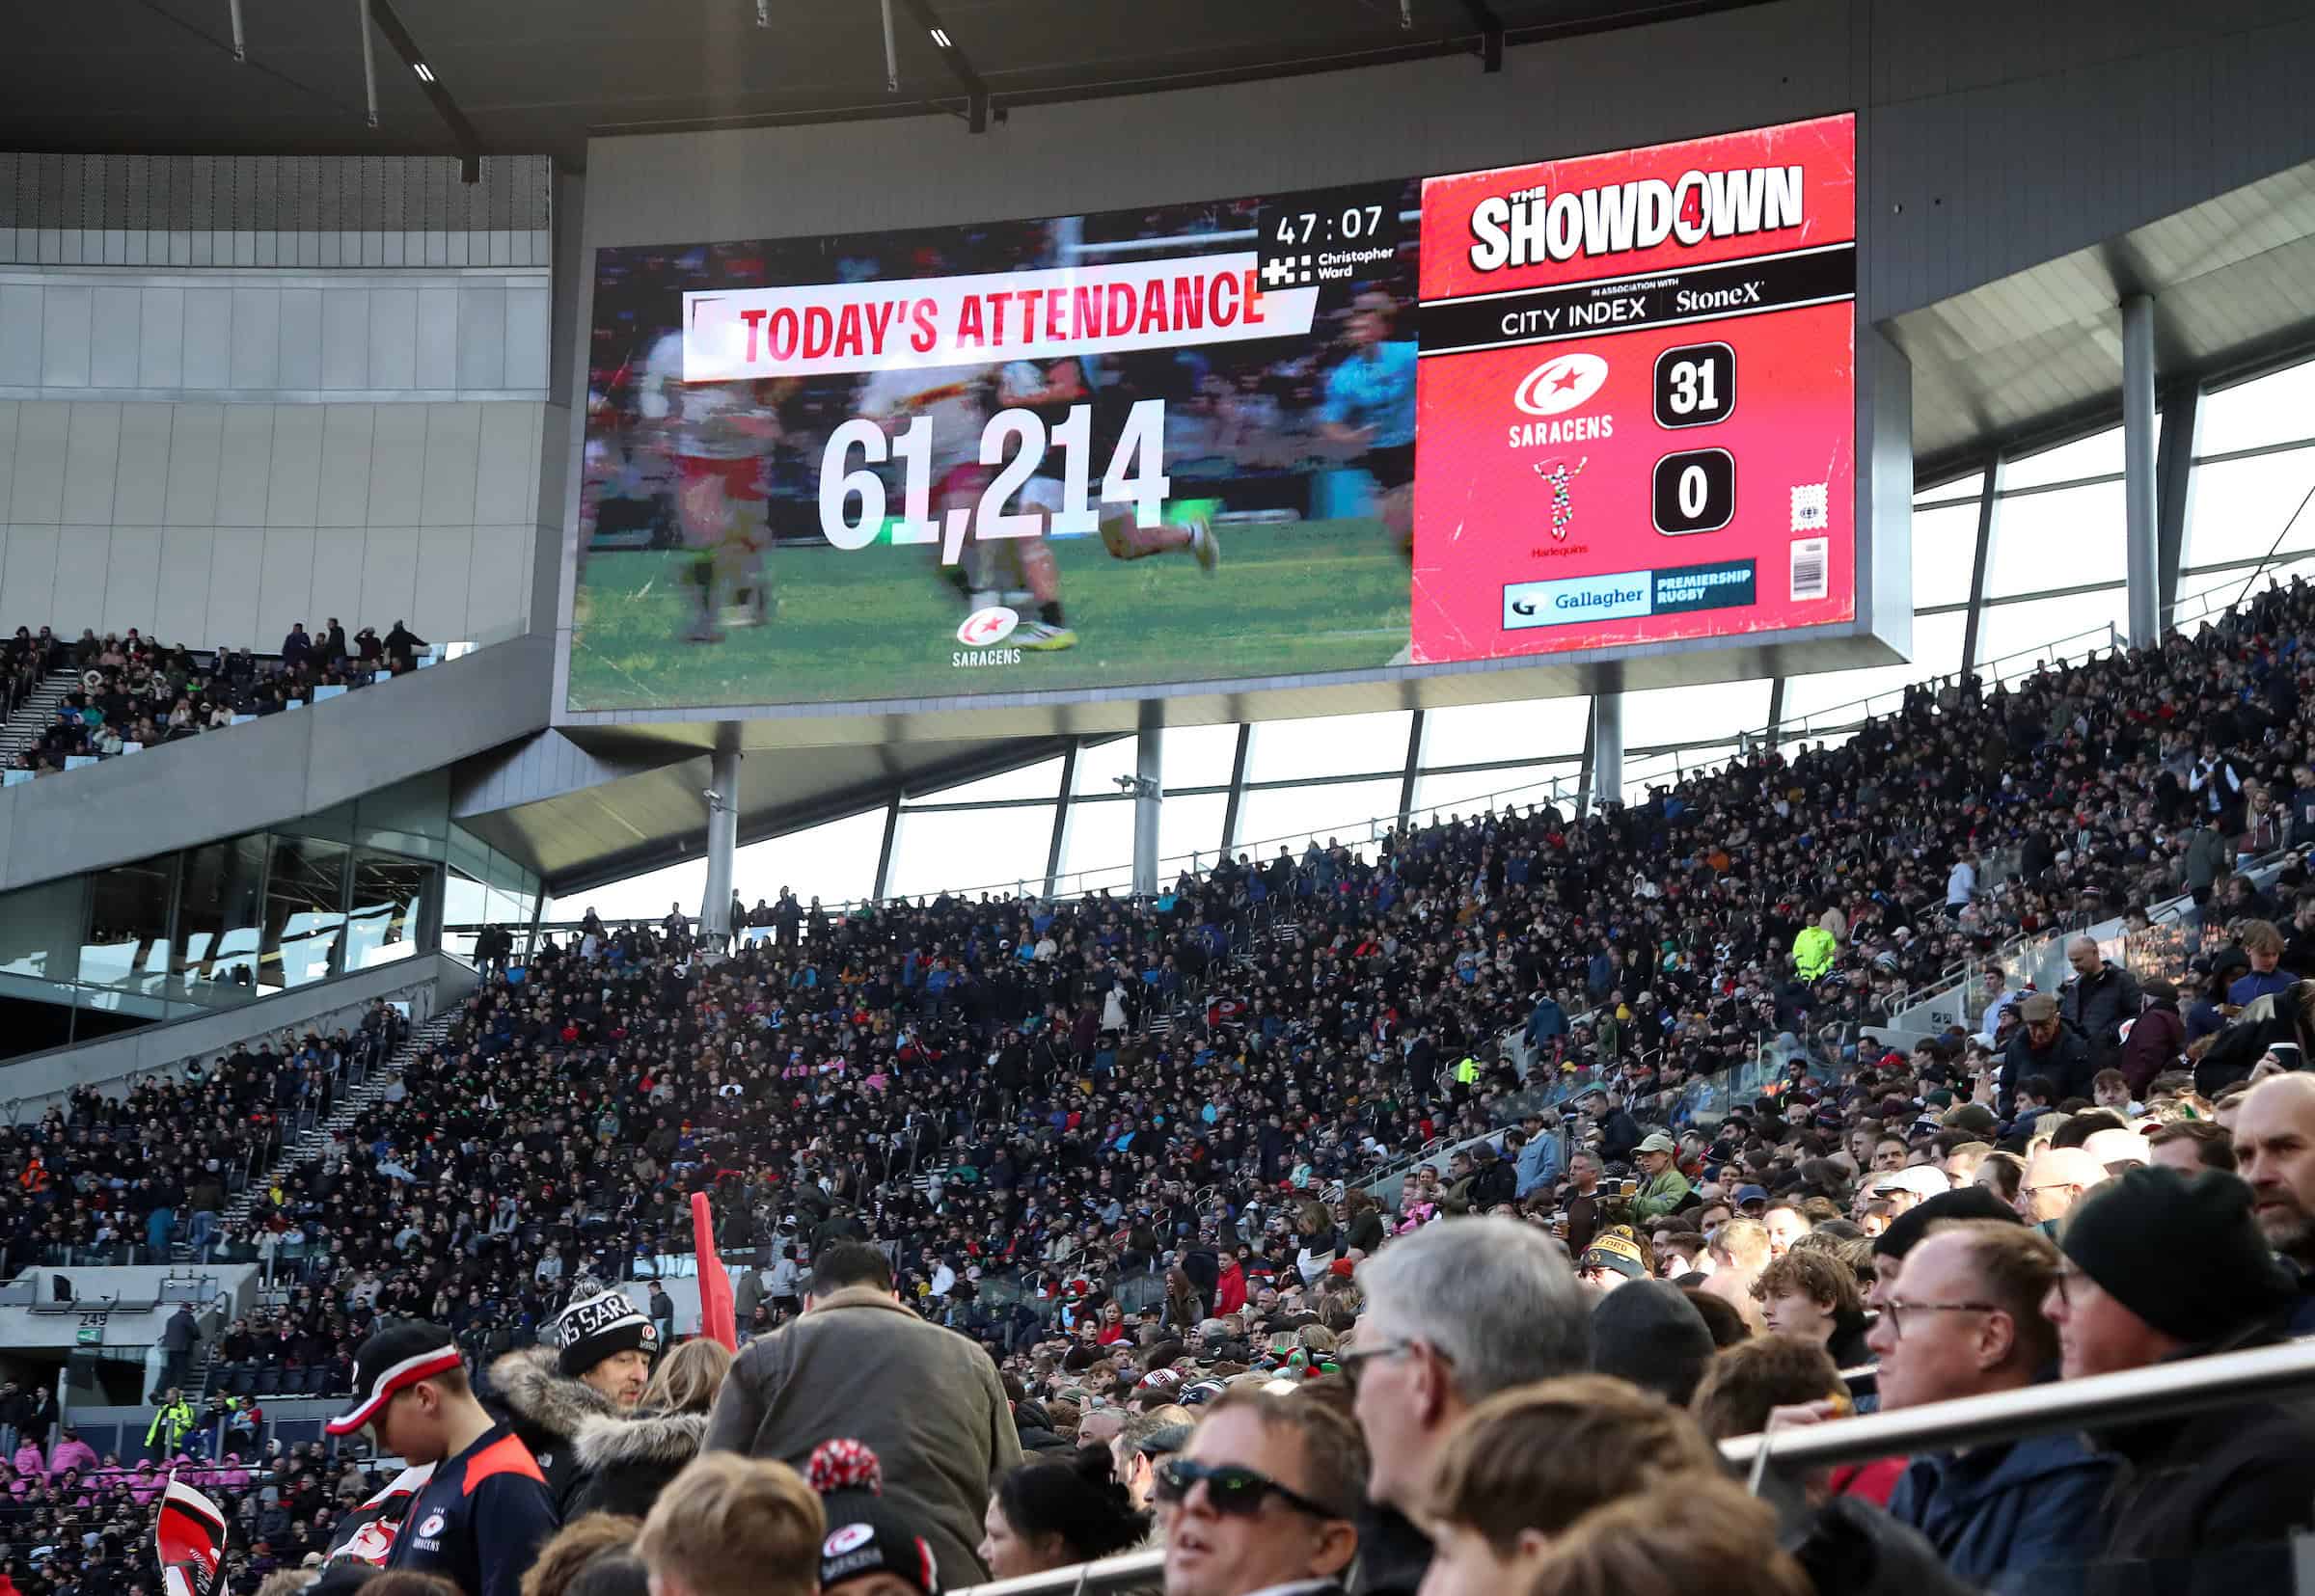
(1607, 748)
(723, 836)
(2139, 499)
(1989, 518)
(2174, 485)
(1149, 757)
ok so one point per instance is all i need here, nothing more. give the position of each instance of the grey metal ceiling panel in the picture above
(2233, 282)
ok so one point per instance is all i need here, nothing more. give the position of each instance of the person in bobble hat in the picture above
(597, 1363)
(2162, 1266)
(871, 1549)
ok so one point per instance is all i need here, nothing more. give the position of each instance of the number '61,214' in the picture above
(1015, 440)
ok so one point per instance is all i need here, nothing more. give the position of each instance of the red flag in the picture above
(718, 1320)
(189, 1535)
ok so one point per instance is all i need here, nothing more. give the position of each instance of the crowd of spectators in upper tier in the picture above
(135, 692)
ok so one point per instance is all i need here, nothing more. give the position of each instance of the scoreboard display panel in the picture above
(1636, 407)
(1565, 406)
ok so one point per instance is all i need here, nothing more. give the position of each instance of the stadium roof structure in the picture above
(2035, 358)
(542, 76)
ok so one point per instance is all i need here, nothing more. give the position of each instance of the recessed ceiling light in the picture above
(424, 72)
(941, 38)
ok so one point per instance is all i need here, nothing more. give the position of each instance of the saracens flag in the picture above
(367, 1534)
(189, 1535)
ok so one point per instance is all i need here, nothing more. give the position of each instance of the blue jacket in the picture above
(1549, 1019)
(2012, 1519)
(1538, 1164)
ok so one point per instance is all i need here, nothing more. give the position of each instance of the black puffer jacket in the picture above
(545, 1409)
(625, 1463)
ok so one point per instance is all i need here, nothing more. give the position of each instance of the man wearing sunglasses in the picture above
(1262, 1501)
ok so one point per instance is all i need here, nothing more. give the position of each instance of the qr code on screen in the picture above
(1812, 560)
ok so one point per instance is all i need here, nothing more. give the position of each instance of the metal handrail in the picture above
(2159, 1390)
(1103, 1578)
(2134, 1395)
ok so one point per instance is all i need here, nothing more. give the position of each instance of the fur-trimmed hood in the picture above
(544, 1398)
(669, 1439)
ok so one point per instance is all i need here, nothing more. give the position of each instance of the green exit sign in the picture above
(91, 1336)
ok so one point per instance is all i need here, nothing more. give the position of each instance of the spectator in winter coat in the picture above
(624, 1462)
(2157, 1041)
(2099, 1000)
(2160, 1266)
(1965, 1320)
(926, 1400)
(2044, 1047)
(597, 1367)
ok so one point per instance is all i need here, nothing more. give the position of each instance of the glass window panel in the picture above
(647, 897)
(2096, 455)
(389, 908)
(220, 914)
(462, 900)
(1639, 781)
(305, 919)
(994, 850)
(1328, 746)
(1968, 487)
(2057, 540)
(834, 861)
(41, 929)
(2241, 506)
(1199, 756)
(1100, 765)
(2273, 409)
(1293, 816)
(1472, 734)
(1832, 696)
(2015, 637)
(1042, 779)
(1662, 716)
(1945, 546)
(1190, 833)
(1098, 850)
(127, 944)
(1476, 792)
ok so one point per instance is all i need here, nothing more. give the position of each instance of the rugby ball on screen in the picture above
(989, 627)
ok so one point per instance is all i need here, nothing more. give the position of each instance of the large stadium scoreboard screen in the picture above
(1636, 406)
(1583, 403)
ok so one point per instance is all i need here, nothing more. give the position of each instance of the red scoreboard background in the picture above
(1635, 396)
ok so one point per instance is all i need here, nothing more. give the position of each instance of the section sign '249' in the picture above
(1636, 413)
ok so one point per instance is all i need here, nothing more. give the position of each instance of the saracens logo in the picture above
(849, 1538)
(986, 628)
(1560, 383)
(433, 1525)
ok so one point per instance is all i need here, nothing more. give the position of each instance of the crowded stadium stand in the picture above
(1177, 797)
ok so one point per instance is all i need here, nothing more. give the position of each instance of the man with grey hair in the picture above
(2099, 1001)
(1455, 1312)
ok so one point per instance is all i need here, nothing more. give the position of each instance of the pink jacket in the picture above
(73, 1455)
(29, 1462)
